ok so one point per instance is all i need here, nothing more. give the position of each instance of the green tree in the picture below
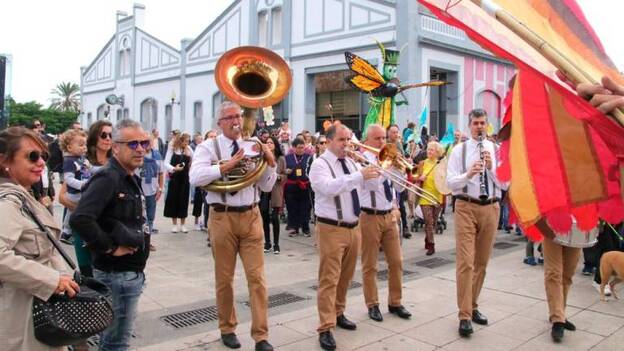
(67, 97)
(56, 121)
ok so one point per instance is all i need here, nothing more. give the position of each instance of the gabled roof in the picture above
(213, 23)
(158, 40)
(99, 54)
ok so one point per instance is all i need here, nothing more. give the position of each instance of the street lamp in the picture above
(173, 98)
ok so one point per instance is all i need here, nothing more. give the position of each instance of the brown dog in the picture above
(611, 262)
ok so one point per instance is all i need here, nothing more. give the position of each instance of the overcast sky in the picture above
(50, 40)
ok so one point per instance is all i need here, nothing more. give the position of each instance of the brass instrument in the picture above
(483, 195)
(252, 77)
(384, 155)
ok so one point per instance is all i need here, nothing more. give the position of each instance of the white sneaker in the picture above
(183, 229)
(607, 290)
(198, 227)
(174, 229)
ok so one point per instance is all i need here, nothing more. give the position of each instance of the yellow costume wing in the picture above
(363, 83)
(363, 68)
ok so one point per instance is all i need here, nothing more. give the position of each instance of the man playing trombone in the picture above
(336, 181)
(379, 225)
(471, 175)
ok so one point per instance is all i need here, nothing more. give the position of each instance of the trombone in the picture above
(387, 163)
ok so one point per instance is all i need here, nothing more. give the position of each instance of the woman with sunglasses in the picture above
(178, 162)
(29, 265)
(99, 143)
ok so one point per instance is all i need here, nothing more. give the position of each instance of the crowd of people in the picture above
(113, 176)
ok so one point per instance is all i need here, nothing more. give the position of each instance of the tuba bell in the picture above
(252, 77)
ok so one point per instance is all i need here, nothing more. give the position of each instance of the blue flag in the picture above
(449, 136)
(423, 117)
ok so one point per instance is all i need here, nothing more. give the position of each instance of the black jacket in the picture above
(110, 214)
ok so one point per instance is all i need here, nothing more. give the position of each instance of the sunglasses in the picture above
(105, 135)
(134, 144)
(37, 125)
(34, 156)
(322, 142)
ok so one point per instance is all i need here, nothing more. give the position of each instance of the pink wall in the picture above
(480, 75)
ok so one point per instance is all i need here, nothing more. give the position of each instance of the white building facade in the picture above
(174, 88)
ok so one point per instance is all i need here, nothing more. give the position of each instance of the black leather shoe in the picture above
(263, 346)
(344, 323)
(326, 339)
(465, 328)
(478, 318)
(230, 340)
(557, 331)
(569, 326)
(400, 311)
(375, 314)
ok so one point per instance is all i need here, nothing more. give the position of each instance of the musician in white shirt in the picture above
(336, 182)
(379, 227)
(476, 220)
(235, 225)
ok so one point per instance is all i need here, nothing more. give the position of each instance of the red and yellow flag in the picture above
(563, 156)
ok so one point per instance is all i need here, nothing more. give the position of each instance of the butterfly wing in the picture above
(363, 83)
(363, 67)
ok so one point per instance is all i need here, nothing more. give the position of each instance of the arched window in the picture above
(276, 26)
(168, 119)
(149, 114)
(124, 63)
(119, 114)
(491, 103)
(101, 112)
(89, 119)
(198, 112)
(126, 113)
(263, 28)
(217, 99)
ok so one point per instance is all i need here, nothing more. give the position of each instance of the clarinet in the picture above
(483, 195)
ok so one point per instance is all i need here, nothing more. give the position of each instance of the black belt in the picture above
(371, 211)
(472, 200)
(226, 208)
(337, 223)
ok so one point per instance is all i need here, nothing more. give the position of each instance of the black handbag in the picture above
(63, 321)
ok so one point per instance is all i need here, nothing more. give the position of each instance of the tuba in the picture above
(252, 77)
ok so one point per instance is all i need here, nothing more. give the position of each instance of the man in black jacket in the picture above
(111, 219)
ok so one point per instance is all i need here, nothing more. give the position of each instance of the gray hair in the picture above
(331, 131)
(124, 124)
(373, 126)
(225, 105)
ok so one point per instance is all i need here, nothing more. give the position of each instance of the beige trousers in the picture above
(338, 251)
(239, 233)
(559, 266)
(475, 231)
(381, 231)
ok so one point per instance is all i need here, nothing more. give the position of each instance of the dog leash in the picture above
(615, 231)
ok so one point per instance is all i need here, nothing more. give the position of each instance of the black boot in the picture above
(557, 331)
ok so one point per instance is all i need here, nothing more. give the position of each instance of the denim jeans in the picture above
(150, 209)
(126, 288)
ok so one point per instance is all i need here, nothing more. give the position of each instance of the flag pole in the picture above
(574, 73)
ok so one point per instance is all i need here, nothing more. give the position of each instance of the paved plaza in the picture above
(177, 309)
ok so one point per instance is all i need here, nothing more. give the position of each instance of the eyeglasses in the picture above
(34, 156)
(230, 117)
(322, 142)
(105, 135)
(134, 144)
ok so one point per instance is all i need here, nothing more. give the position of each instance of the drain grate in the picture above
(192, 317)
(433, 262)
(383, 274)
(354, 284)
(504, 245)
(280, 299)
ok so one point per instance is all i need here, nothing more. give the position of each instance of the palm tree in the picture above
(67, 97)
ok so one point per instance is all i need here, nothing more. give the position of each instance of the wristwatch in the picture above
(160, 189)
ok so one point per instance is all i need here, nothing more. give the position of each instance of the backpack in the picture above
(55, 160)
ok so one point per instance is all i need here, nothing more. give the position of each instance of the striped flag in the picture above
(563, 157)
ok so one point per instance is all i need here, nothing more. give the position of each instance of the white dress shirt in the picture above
(205, 170)
(326, 187)
(457, 177)
(378, 189)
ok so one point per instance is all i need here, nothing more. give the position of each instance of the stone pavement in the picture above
(177, 310)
